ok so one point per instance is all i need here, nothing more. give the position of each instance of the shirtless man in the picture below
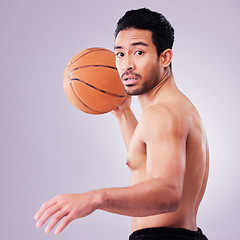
(167, 148)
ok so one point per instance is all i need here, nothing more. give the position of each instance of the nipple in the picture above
(128, 162)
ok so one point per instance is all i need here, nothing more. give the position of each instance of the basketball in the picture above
(92, 83)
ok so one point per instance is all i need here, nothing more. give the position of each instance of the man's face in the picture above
(137, 61)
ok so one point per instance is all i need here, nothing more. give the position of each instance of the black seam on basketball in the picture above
(98, 89)
(90, 51)
(82, 101)
(94, 65)
(86, 66)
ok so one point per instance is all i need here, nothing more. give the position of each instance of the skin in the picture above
(167, 148)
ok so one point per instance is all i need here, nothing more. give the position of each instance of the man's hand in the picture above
(126, 104)
(67, 206)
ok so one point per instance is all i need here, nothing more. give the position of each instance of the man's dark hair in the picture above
(145, 19)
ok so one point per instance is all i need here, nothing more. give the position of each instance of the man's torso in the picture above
(196, 170)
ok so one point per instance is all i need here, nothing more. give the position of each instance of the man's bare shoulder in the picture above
(164, 120)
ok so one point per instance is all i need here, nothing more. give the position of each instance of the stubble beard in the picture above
(152, 81)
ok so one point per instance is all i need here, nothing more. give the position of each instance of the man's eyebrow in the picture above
(117, 47)
(132, 44)
(139, 43)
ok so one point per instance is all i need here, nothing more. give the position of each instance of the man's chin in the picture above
(133, 93)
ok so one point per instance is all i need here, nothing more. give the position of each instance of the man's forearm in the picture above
(144, 199)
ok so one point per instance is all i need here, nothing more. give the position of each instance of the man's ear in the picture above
(166, 57)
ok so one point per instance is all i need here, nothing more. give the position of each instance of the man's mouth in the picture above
(130, 79)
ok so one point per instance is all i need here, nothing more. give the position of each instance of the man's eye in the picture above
(120, 54)
(139, 52)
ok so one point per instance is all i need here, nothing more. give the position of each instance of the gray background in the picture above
(49, 147)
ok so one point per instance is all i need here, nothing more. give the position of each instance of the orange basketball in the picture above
(92, 83)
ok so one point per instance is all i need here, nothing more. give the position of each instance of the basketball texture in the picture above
(92, 83)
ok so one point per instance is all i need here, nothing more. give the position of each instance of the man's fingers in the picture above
(46, 213)
(63, 224)
(44, 207)
(55, 219)
(62, 209)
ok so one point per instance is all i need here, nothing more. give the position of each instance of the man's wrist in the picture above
(99, 198)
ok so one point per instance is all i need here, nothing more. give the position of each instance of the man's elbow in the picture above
(175, 198)
(175, 204)
(172, 200)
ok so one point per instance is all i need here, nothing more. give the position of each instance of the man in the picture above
(167, 148)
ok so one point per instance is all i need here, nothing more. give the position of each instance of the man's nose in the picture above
(128, 64)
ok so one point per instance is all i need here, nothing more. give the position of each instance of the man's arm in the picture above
(126, 119)
(164, 134)
(143, 199)
(161, 193)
